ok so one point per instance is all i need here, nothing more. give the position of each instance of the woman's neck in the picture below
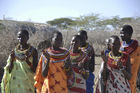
(84, 44)
(75, 50)
(23, 46)
(115, 53)
(128, 41)
(56, 48)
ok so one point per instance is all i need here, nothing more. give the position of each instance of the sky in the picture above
(46, 10)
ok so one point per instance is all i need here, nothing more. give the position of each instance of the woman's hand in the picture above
(12, 55)
(46, 54)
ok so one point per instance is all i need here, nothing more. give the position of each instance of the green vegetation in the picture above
(61, 22)
(92, 22)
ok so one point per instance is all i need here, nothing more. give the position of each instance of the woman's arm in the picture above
(127, 71)
(33, 64)
(92, 61)
(35, 60)
(45, 66)
(68, 66)
(11, 64)
(105, 70)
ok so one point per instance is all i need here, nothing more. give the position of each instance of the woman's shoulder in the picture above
(64, 49)
(32, 51)
(32, 47)
(124, 55)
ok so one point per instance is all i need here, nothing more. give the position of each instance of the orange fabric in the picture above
(55, 82)
(38, 77)
(135, 64)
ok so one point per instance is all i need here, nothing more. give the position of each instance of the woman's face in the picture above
(115, 44)
(108, 46)
(57, 40)
(83, 37)
(124, 35)
(22, 38)
(75, 43)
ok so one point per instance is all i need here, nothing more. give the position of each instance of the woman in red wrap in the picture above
(116, 71)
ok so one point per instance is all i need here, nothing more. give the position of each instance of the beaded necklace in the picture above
(115, 58)
(21, 55)
(85, 47)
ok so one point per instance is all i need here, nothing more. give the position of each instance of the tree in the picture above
(114, 23)
(88, 22)
(61, 22)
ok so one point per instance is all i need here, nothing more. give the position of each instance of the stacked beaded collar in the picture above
(21, 55)
(77, 57)
(85, 48)
(58, 56)
(112, 60)
(129, 48)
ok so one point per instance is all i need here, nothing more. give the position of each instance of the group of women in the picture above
(121, 63)
(61, 70)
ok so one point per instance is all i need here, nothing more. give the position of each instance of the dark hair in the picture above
(107, 40)
(58, 33)
(78, 36)
(83, 32)
(115, 37)
(128, 29)
(25, 32)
